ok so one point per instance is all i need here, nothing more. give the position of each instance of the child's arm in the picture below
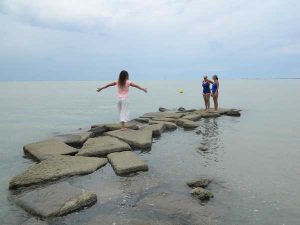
(106, 86)
(138, 87)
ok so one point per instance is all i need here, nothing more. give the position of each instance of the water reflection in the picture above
(211, 145)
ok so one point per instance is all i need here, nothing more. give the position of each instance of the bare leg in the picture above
(123, 126)
(208, 101)
(216, 104)
(205, 102)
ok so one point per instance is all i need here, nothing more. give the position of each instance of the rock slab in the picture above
(135, 138)
(156, 129)
(76, 139)
(48, 148)
(127, 162)
(101, 146)
(55, 168)
(187, 124)
(55, 200)
(200, 182)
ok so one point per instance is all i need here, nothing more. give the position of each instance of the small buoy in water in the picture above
(181, 91)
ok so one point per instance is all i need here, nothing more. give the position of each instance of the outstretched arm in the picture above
(106, 86)
(139, 87)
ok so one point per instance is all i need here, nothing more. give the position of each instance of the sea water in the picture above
(254, 159)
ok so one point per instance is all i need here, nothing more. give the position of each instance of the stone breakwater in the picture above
(83, 153)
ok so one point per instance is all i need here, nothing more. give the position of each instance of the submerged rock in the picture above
(55, 168)
(55, 200)
(202, 194)
(48, 148)
(135, 138)
(187, 124)
(200, 182)
(76, 139)
(35, 221)
(127, 162)
(101, 146)
(162, 109)
(203, 148)
(156, 129)
(181, 109)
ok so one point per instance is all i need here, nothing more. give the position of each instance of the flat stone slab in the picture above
(168, 125)
(167, 114)
(141, 139)
(74, 139)
(34, 221)
(187, 124)
(117, 126)
(156, 129)
(55, 168)
(126, 162)
(164, 119)
(48, 148)
(56, 200)
(209, 114)
(193, 117)
(202, 182)
(101, 146)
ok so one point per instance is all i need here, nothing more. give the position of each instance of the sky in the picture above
(152, 40)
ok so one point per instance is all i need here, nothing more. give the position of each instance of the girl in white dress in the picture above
(123, 85)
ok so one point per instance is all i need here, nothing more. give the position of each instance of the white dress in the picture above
(123, 104)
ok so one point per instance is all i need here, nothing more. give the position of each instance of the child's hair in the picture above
(123, 77)
(216, 77)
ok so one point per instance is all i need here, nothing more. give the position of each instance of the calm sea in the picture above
(255, 159)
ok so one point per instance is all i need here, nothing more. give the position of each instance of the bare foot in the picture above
(123, 129)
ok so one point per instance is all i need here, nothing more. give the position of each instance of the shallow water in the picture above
(254, 159)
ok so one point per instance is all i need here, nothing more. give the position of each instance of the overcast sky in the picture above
(167, 39)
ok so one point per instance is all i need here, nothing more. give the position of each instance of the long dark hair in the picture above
(216, 77)
(123, 77)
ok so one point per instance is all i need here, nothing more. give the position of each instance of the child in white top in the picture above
(123, 84)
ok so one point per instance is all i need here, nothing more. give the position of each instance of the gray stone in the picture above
(101, 146)
(135, 138)
(165, 119)
(162, 109)
(156, 129)
(168, 125)
(55, 168)
(55, 200)
(98, 131)
(74, 139)
(117, 126)
(181, 109)
(187, 124)
(192, 116)
(203, 148)
(48, 148)
(202, 194)
(233, 112)
(200, 182)
(204, 114)
(35, 221)
(127, 162)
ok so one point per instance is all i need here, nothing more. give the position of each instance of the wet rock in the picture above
(181, 207)
(127, 162)
(193, 117)
(141, 120)
(210, 115)
(101, 146)
(156, 129)
(76, 139)
(168, 125)
(48, 148)
(203, 148)
(141, 139)
(55, 200)
(200, 182)
(98, 131)
(187, 124)
(55, 168)
(202, 194)
(117, 126)
(35, 221)
(233, 112)
(198, 132)
(181, 109)
(162, 109)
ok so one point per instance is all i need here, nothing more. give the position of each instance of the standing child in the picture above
(123, 90)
